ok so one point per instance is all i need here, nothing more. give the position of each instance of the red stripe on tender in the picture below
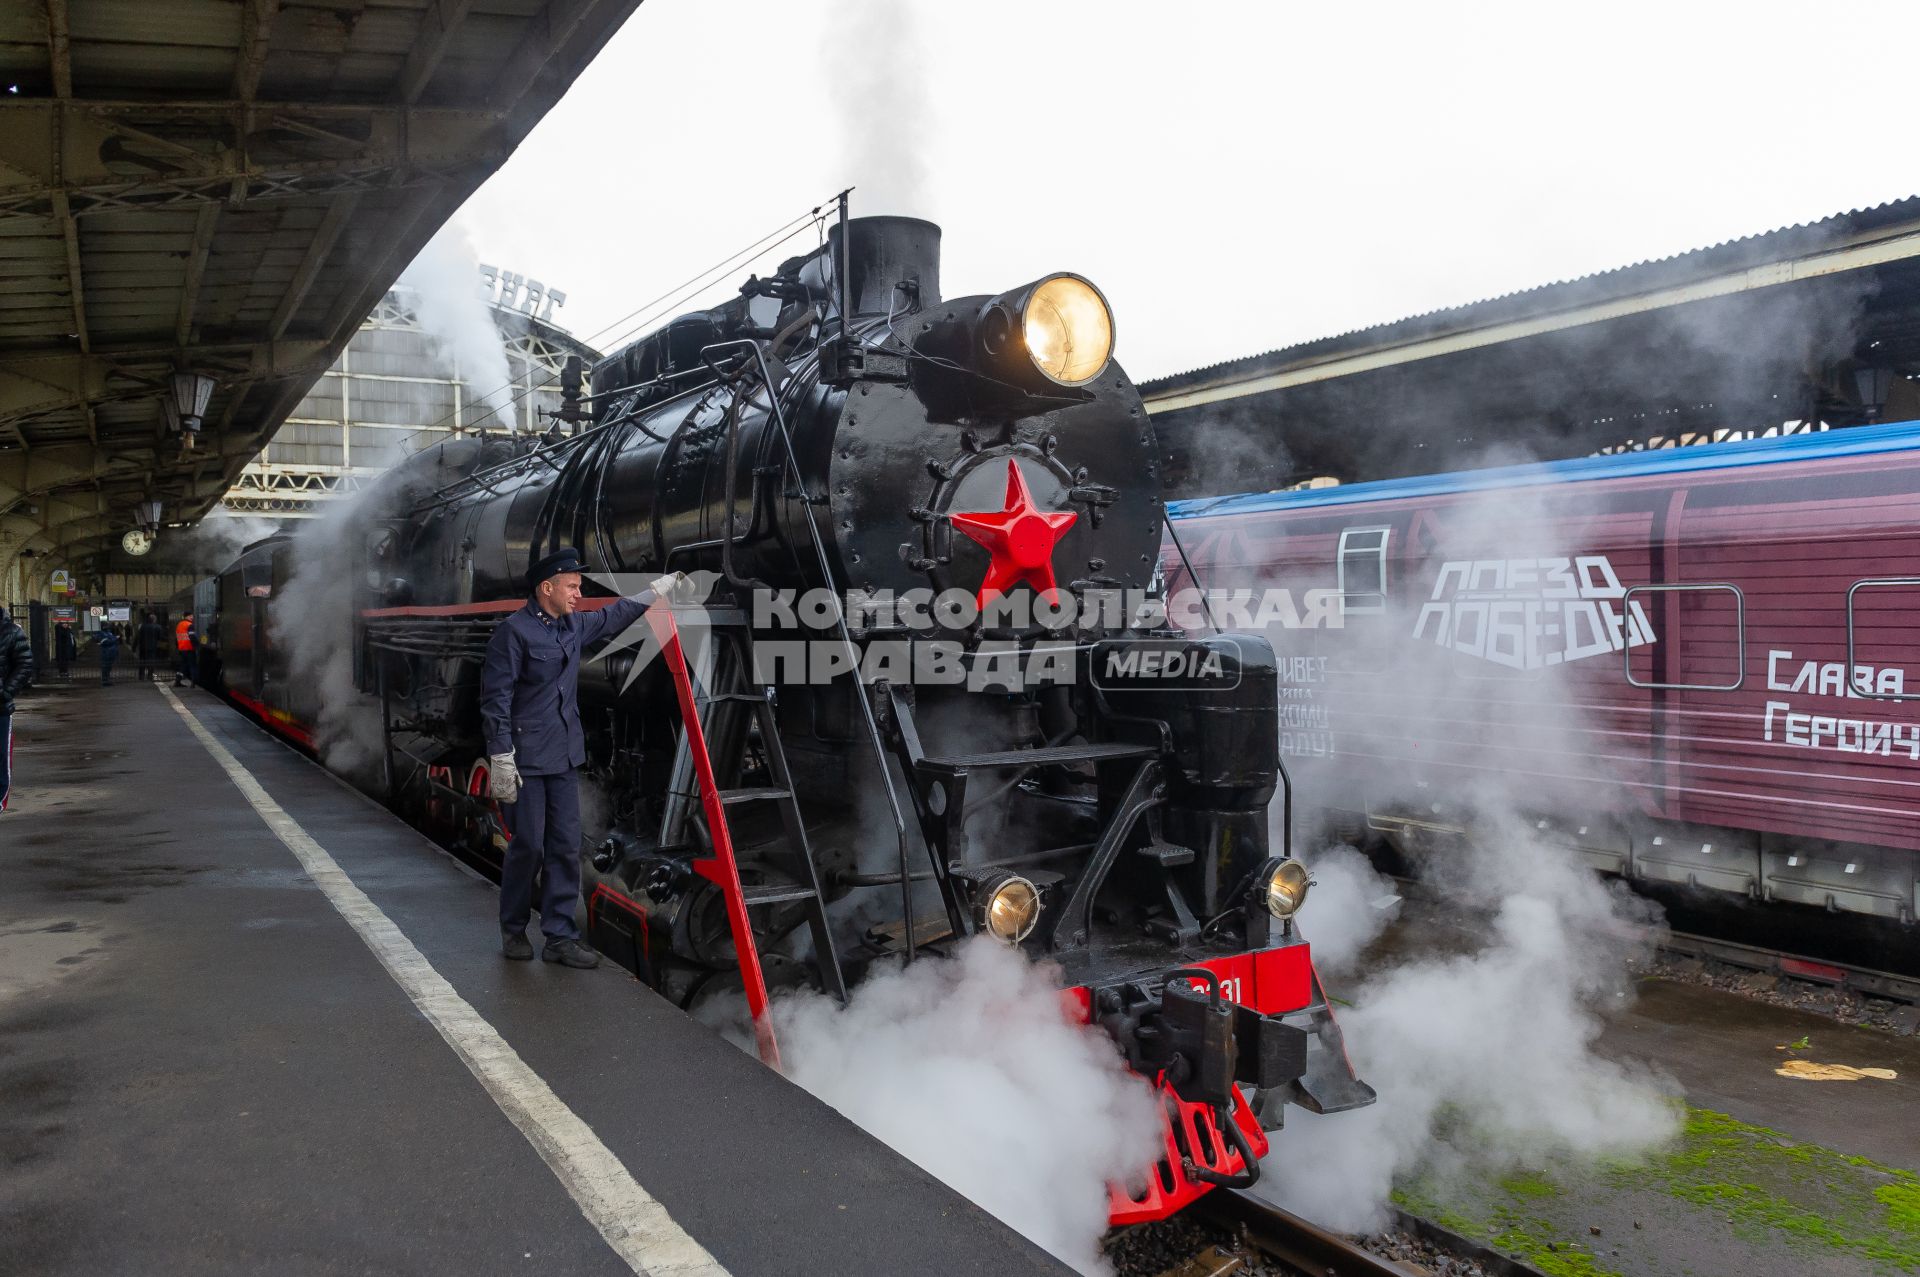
(274, 720)
(491, 607)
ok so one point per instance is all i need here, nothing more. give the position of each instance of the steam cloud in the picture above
(445, 280)
(1486, 1055)
(1043, 1112)
(312, 621)
(1482, 1053)
(214, 542)
(882, 112)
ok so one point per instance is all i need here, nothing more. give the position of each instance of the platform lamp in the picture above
(1872, 386)
(188, 395)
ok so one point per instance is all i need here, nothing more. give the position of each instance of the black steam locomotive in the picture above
(938, 686)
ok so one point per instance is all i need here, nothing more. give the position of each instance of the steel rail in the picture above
(1891, 985)
(1320, 1252)
(1894, 986)
(1294, 1241)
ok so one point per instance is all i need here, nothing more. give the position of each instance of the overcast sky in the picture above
(1234, 176)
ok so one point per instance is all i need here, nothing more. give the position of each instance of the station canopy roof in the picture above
(1809, 325)
(225, 187)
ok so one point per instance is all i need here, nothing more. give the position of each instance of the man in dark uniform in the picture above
(530, 712)
(16, 671)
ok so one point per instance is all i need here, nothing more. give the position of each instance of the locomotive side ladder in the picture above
(722, 867)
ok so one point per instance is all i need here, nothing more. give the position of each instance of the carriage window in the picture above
(1363, 569)
(1880, 642)
(1683, 637)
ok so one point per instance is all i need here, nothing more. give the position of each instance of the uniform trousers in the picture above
(546, 836)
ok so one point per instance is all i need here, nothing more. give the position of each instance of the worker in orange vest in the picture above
(184, 673)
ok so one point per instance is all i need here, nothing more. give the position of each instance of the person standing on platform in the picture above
(184, 674)
(16, 671)
(109, 653)
(530, 713)
(149, 645)
(63, 649)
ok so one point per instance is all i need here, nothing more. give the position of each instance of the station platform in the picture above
(250, 1022)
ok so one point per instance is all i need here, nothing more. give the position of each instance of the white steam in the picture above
(214, 542)
(1485, 1050)
(1488, 1053)
(1352, 905)
(883, 112)
(312, 622)
(970, 1068)
(445, 280)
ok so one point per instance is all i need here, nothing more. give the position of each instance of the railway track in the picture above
(1833, 972)
(1299, 1246)
(1293, 1241)
(1841, 975)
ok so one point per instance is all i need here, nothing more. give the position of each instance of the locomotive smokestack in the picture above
(886, 252)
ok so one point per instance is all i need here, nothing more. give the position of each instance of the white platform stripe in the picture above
(626, 1215)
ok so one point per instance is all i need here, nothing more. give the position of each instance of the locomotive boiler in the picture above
(937, 684)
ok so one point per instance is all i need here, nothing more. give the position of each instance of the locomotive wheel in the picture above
(438, 807)
(487, 833)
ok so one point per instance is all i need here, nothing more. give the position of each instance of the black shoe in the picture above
(572, 953)
(515, 945)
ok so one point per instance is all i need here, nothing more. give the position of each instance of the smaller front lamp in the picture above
(1282, 887)
(1007, 906)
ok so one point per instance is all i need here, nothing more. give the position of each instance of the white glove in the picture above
(674, 587)
(503, 778)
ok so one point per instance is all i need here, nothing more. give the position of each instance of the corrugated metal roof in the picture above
(1782, 244)
(226, 186)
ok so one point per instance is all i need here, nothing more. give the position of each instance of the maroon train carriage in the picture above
(1699, 667)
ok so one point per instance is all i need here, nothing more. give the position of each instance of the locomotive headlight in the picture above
(1056, 331)
(1007, 906)
(1283, 887)
(1068, 330)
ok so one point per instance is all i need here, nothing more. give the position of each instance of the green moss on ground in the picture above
(1525, 1237)
(1768, 1187)
(1902, 1200)
(1529, 1184)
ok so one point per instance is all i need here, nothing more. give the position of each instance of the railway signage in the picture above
(1847, 734)
(1527, 614)
(61, 582)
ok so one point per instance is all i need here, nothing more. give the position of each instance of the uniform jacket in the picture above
(529, 685)
(109, 641)
(183, 635)
(16, 664)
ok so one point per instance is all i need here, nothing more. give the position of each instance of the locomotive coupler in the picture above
(1197, 1041)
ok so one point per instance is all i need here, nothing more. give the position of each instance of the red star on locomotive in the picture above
(1020, 538)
